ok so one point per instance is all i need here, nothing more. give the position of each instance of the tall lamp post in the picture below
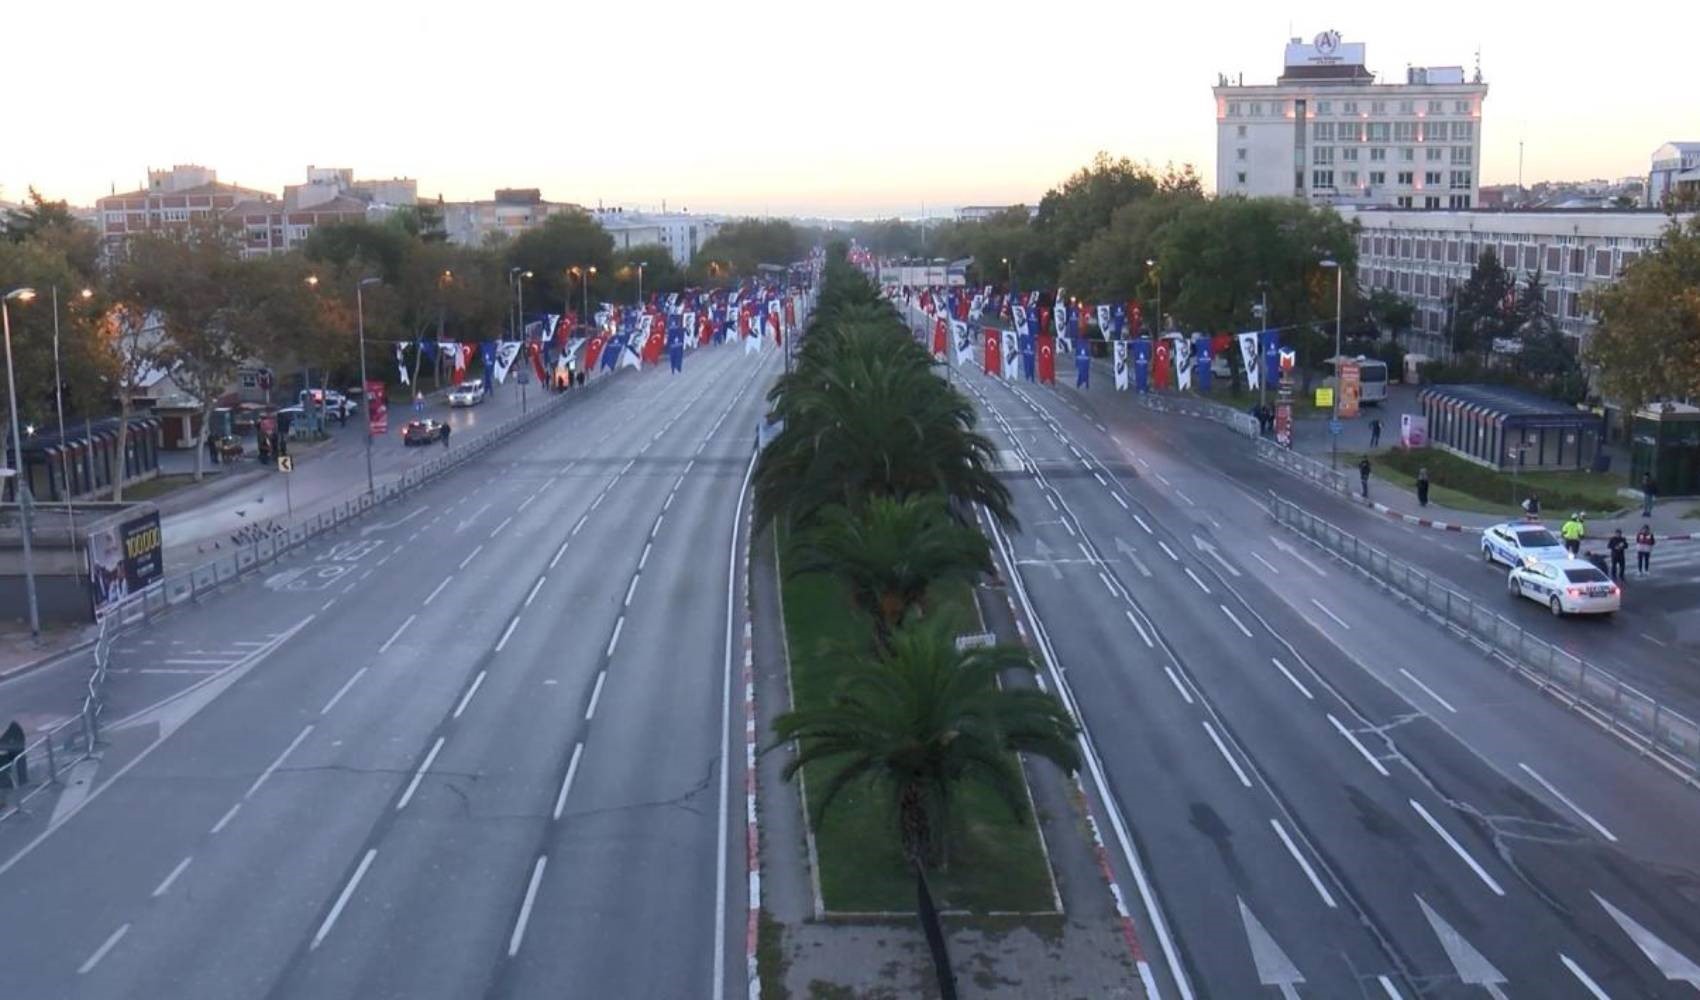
(22, 487)
(641, 265)
(1263, 324)
(360, 314)
(1157, 280)
(1334, 418)
(59, 407)
(1009, 275)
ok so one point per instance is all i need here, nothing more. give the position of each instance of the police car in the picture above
(1566, 586)
(1518, 543)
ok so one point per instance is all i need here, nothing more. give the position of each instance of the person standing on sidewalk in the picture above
(1363, 475)
(1422, 486)
(1644, 548)
(446, 429)
(1649, 491)
(1618, 546)
(1375, 433)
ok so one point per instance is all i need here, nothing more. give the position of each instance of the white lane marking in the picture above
(632, 589)
(1310, 873)
(580, 523)
(1231, 617)
(1176, 681)
(100, 953)
(439, 589)
(476, 681)
(1267, 564)
(1117, 498)
(503, 641)
(226, 818)
(655, 528)
(1167, 551)
(567, 782)
(1362, 750)
(534, 589)
(559, 553)
(165, 886)
(1107, 584)
(643, 559)
(1100, 479)
(1160, 479)
(1427, 690)
(1201, 584)
(1324, 609)
(342, 899)
(1140, 629)
(278, 762)
(1208, 728)
(1183, 496)
(469, 555)
(525, 907)
(350, 588)
(397, 635)
(1051, 501)
(327, 605)
(669, 502)
(1587, 983)
(1142, 524)
(525, 503)
(598, 501)
(1656, 642)
(1457, 848)
(1387, 984)
(1085, 551)
(595, 696)
(1070, 527)
(499, 527)
(1142, 462)
(614, 640)
(1289, 675)
(419, 775)
(1578, 810)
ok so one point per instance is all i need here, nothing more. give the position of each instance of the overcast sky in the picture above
(749, 106)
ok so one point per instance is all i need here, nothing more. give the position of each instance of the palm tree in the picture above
(890, 552)
(922, 719)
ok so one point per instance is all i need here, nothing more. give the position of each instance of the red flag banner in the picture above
(593, 352)
(535, 349)
(939, 336)
(377, 409)
(993, 367)
(1162, 366)
(1048, 360)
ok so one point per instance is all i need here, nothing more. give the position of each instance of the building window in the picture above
(1452, 250)
(1322, 154)
(1460, 179)
(1461, 107)
(1350, 178)
(1554, 254)
(1407, 177)
(1324, 107)
(1404, 131)
(1377, 177)
(1322, 131)
(1256, 108)
(1349, 153)
(1422, 249)
(1240, 177)
(1378, 107)
(1407, 107)
(1239, 154)
(1461, 156)
(1405, 276)
(1408, 155)
(1349, 108)
(1351, 131)
(1234, 111)
(1434, 280)
(1602, 263)
(1434, 250)
(1431, 177)
(1379, 131)
(1463, 131)
(1531, 258)
(1241, 132)
(1380, 246)
(1626, 258)
(1406, 249)
(1322, 178)
(1377, 154)
(1431, 201)
(1432, 154)
(1436, 108)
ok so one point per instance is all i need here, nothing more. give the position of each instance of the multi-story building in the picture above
(331, 194)
(1425, 256)
(979, 213)
(174, 197)
(1675, 170)
(511, 212)
(1327, 130)
(680, 232)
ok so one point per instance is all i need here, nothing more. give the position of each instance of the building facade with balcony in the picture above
(1329, 131)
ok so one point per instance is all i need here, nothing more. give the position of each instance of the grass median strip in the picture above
(997, 863)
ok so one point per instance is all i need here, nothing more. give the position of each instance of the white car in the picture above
(335, 402)
(1519, 543)
(469, 393)
(1566, 586)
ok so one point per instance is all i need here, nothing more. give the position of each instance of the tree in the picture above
(920, 720)
(1484, 311)
(1646, 347)
(1392, 313)
(660, 274)
(1072, 212)
(741, 247)
(891, 552)
(566, 239)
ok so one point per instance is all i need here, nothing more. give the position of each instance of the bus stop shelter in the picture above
(1501, 427)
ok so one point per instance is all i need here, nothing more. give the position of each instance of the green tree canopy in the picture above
(660, 273)
(1647, 344)
(741, 247)
(564, 240)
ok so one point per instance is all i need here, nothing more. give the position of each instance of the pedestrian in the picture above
(212, 449)
(1375, 432)
(1618, 546)
(1644, 548)
(1422, 486)
(446, 430)
(1363, 475)
(1532, 507)
(1649, 490)
(1572, 532)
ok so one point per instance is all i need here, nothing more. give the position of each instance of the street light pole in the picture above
(59, 407)
(641, 265)
(1334, 417)
(1263, 314)
(22, 488)
(1157, 320)
(519, 308)
(365, 391)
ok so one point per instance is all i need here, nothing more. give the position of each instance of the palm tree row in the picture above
(873, 479)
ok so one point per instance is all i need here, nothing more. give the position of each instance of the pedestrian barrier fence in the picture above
(35, 765)
(1304, 467)
(1624, 710)
(1236, 420)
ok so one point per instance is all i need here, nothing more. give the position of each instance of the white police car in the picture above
(1566, 586)
(468, 393)
(1518, 543)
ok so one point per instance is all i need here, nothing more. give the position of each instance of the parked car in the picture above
(336, 404)
(424, 432)
(1566, 586)
(468, 393)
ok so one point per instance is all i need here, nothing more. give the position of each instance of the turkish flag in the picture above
(705, 329)
(993, 367)
(1133, 317)
(463, 354)
(535, 349)
(1162, 366)
(563, 330)
(1048, 359)
(593, 351)
(939, 337)
(657, 336)
(1044, 324)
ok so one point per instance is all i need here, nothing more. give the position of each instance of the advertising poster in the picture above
(1351, 388)
(1413, 430)
(125, 557)
(377, 409)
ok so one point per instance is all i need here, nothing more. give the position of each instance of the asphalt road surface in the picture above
(475, 745)
(1313, 791)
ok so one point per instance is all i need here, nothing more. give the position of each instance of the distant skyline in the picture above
(758, 107)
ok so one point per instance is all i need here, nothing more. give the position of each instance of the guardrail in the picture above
(61, 747)
(1243, 423)
(1623, 709)
(1304, 467)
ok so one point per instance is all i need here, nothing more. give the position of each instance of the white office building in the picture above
(680, 232)
(1425, 256)
(1675, 170)
(1329, 130)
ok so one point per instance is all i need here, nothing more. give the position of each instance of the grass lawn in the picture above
(1693, 513)
(1456, 483)
(158, 486)
(1243, 400)
(996, 863)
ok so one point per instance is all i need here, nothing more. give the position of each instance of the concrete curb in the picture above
(45, 660)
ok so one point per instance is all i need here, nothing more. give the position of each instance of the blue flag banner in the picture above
(1142, 364)
(1201, 362)
(1271, 342)
(488, 350)
(675, 343)
(1118, 319)
(1082, 363)
(1027, 358)
(428, 350)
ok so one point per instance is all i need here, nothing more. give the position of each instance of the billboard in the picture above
(377, 408)
(125, 557)
(1351, 388)
(1413, 431)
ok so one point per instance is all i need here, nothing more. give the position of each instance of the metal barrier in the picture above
(62, 747)
(1303, 466)
(1623, 709)
(1243, 423)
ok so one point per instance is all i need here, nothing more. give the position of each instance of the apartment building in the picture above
(1329, 130)
(174, 197)
(1675, 171)
(680, 232)
(512, 211)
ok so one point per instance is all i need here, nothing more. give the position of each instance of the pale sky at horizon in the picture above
(758, 107)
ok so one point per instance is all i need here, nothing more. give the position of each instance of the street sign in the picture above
(1325, 397)
(976, 640)
(1335, 427)
(285, 463)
